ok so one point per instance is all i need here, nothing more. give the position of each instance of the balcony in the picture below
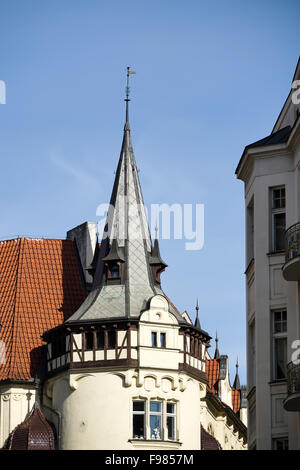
(291, 268)
(292, 402)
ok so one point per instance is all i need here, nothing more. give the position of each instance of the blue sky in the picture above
(211, 78)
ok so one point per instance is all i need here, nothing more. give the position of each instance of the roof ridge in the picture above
(13, 344)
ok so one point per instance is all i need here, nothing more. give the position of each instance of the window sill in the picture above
(155, 444)
(278, 382)
(276, 253)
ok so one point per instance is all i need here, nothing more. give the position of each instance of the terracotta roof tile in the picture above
(40, 288)
(212, 372)
(236, 400)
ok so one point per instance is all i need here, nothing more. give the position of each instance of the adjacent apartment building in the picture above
(270, 170)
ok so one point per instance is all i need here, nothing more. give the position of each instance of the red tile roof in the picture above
(40, 287)
(212, 372)
(236, 400)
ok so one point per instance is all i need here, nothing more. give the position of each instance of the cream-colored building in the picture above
(123, 368)
(270, 170)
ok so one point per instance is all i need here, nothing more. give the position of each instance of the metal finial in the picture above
(237, 363)
(129, 72)
(156, 229)
(197, 306)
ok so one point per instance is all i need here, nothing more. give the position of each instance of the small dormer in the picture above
(114, 264)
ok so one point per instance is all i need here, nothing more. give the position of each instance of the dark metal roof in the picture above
(278, 137)
(114, 252)
(208, 442)
(155, 257)
(34, 433)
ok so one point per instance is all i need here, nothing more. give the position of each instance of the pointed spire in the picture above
(127, 126)
(236, 383)
(91, 268)
(217, 353)
(197, 321)
(155, 258)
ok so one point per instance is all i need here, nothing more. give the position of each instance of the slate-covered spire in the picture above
(217, 353)
(126, 232)
(197, 321)
(236, 383)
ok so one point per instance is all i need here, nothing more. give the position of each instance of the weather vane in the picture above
(129, 72)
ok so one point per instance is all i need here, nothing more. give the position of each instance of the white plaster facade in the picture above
(264, 168)
(92, 407)
(16, 401)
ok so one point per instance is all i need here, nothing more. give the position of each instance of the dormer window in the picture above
(114, 270)
(113, 262)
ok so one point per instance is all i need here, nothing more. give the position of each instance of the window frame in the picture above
(283, 439)
(135, 413)
(274, 212)
(163, 414)
(275, 336)
(159, 414)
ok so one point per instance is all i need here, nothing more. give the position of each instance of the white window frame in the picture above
(163, 413)
(171, 415)
(274, 212)
(144, 413)
(157, 413)
(278, 335)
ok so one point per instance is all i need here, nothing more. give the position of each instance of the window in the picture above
(171, 421)
(111, 339)
(89, 341)
(100, 339)
(154, 338)
(114, 270)
(281, 444)
(138, 422)
(58, 347)
(278, 219)
(279, 344)
(250, 231)
(154, 420)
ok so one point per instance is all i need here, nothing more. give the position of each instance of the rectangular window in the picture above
(154, 339)
(280, 344)
(278, 219)
(250, 231)
(163, 340)
(171, 421)
(89, 341)
(155, 419)
(111, 339)
(100, 339)
(281, 444)
(138, 419)
(59, 347)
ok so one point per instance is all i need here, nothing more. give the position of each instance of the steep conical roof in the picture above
(236, 383)
(34, 433)
(217, 353)
(197, 321)
(127, 230)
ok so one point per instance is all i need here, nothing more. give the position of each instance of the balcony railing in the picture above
(291, 269)
(292, 402)
(292, 242)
